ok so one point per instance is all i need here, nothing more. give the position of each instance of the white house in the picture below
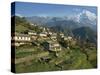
(55, 47)
(20, 39)
(43, 34)
(62, 35)
(52, 46)
(33, 35)
(33, 24)
(68, 38)
(54, 36)
(50, 33)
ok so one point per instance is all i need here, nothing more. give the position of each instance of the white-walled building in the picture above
(68, 38)
(62, 35)
(33, 35)
(20, 39)
(52, 46)
(54, 36)
(43, 34)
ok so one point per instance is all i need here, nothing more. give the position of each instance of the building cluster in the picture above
(49, 37)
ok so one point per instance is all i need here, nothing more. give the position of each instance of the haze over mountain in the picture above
(85, 33)
(69, 26)
(84, 18)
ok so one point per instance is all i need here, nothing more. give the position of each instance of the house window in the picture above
(29, 38)
(19, 38)
(16, 38)
(23, 38)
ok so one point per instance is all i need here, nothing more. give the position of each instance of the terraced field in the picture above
(30, 57)
(35, 59)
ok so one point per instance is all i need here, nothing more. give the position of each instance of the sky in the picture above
(26, 9)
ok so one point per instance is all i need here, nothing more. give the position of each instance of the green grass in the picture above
(70, 60)
(23, 54)
(20, 28)
(35, 67)
(26, 50)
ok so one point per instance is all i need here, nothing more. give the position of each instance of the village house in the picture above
(20, 39)
(33, 24)
(44, 29)
(54, 36)
(50, 33)
(52, 46)
(33, 35)
(42, 34)
(68, 38)
(55, 46)
(62, 35)
(41, 27)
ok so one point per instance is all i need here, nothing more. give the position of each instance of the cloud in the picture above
(18, 15)
(87, 15)
(91, 16)
(74, 17)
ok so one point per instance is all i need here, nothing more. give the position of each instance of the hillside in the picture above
(23, 26)
(68, 27)
(72, 54)
(85, 33)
